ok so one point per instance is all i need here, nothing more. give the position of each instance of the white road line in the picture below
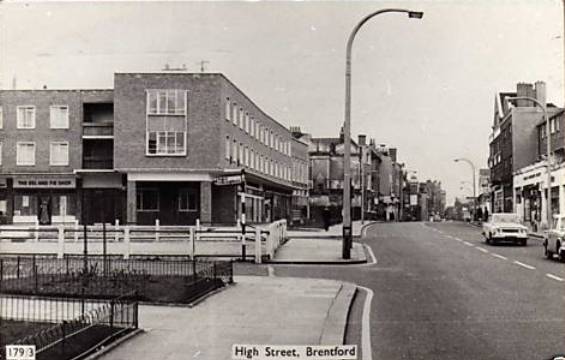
(371, 255)
(499, 256)
(482, 249)
(457, 239)
(468, 243)
(530, 267)
(551, 276)
(366, 328)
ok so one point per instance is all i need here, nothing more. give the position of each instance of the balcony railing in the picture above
(104, 129)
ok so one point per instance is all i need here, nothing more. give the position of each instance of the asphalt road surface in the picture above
(441, 293)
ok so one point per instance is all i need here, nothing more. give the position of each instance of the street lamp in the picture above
(347, 235)
(548, 158)
(474, 187)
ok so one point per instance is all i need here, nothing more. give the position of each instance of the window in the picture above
(228, 109)
(252, 127)
(26, 117)
(25, 154)
(227, 148)
(148, 200)
(1, 118)
(234, 113)
(25, 205)
(241, 118)
(166, 102)
(272, 141)
(187, 200)
(241, 159)
(235, 152)
(246, 123)
(166, 143)
(257, 127)
(252, 161)
(247, 156)
(0, 153)
(59, 116)
(59, 154)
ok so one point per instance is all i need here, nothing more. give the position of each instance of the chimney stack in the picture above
(362, 140)
(541, 92)
(524, 89)
(392, 154)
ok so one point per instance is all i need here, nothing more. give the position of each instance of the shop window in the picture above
(25, 205)
(187, 200)
(59, 117)
(148, 200)
(26, 117)
(3, 207)
(62, 205)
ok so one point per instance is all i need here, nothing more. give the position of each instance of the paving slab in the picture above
(256, 310)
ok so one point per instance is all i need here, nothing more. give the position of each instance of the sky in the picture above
(425, 86)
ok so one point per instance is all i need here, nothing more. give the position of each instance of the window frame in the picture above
(66, 121)
(189, 192)
(167, 135)
(51, 159)
(140, 192)
(18, 157)
(19, 119)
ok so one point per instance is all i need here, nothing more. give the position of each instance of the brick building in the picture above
(173, 147)
(513, 141)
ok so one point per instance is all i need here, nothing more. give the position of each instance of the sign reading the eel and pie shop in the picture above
(62, 183)
(229, 180)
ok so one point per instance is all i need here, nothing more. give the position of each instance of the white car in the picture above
(554, 242)
(505, 227)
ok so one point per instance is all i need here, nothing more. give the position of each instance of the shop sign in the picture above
(69, 183)
(229, 180)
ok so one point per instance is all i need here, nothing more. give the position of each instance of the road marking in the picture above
(482, 249)
(371, 255)
(468, 243)
(457, 239)
(530, 267)
(551, 276)
(499, 256)
(366, 328)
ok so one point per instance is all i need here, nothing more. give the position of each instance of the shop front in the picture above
(46, 199)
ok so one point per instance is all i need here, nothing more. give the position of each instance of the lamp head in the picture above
(415, 14)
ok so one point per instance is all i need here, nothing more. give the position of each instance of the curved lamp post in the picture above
(474, 187)
(548, 149)
(347, 235)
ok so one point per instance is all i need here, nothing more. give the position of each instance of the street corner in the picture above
(317, 251)
(335, 325)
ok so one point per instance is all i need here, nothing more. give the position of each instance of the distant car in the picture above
(505, 227)
(554, 242)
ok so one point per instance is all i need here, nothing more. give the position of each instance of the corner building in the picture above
(167, 146)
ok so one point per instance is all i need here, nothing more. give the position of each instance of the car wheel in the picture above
(524, 242)
(548, 253)
(559, 253)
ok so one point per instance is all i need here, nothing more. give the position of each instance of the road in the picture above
(441, 293)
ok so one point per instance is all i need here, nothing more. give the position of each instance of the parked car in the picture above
(554, 242)
(505, 227)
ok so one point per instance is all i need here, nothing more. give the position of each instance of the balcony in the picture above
(98, 130)
(97, 162)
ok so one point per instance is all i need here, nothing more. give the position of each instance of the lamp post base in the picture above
(347, 242)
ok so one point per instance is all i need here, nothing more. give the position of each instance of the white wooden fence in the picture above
(132, 240)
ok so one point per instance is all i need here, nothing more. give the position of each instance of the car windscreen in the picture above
(510, 218)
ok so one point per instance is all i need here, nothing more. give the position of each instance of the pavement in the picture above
(320, 247)
(256, 310)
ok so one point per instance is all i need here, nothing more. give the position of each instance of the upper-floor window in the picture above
(25, 153)
(246, 123)
(59, 116)
(166, 102)
(228, 109)
(227, 148)
(252, 127)
(166, 131)
(26, 117)
(234, 113)
(59, 153)
(241, 118)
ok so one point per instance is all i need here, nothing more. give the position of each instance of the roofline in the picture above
(47, 90)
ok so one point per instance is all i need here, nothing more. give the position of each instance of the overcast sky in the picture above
(424, 86)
